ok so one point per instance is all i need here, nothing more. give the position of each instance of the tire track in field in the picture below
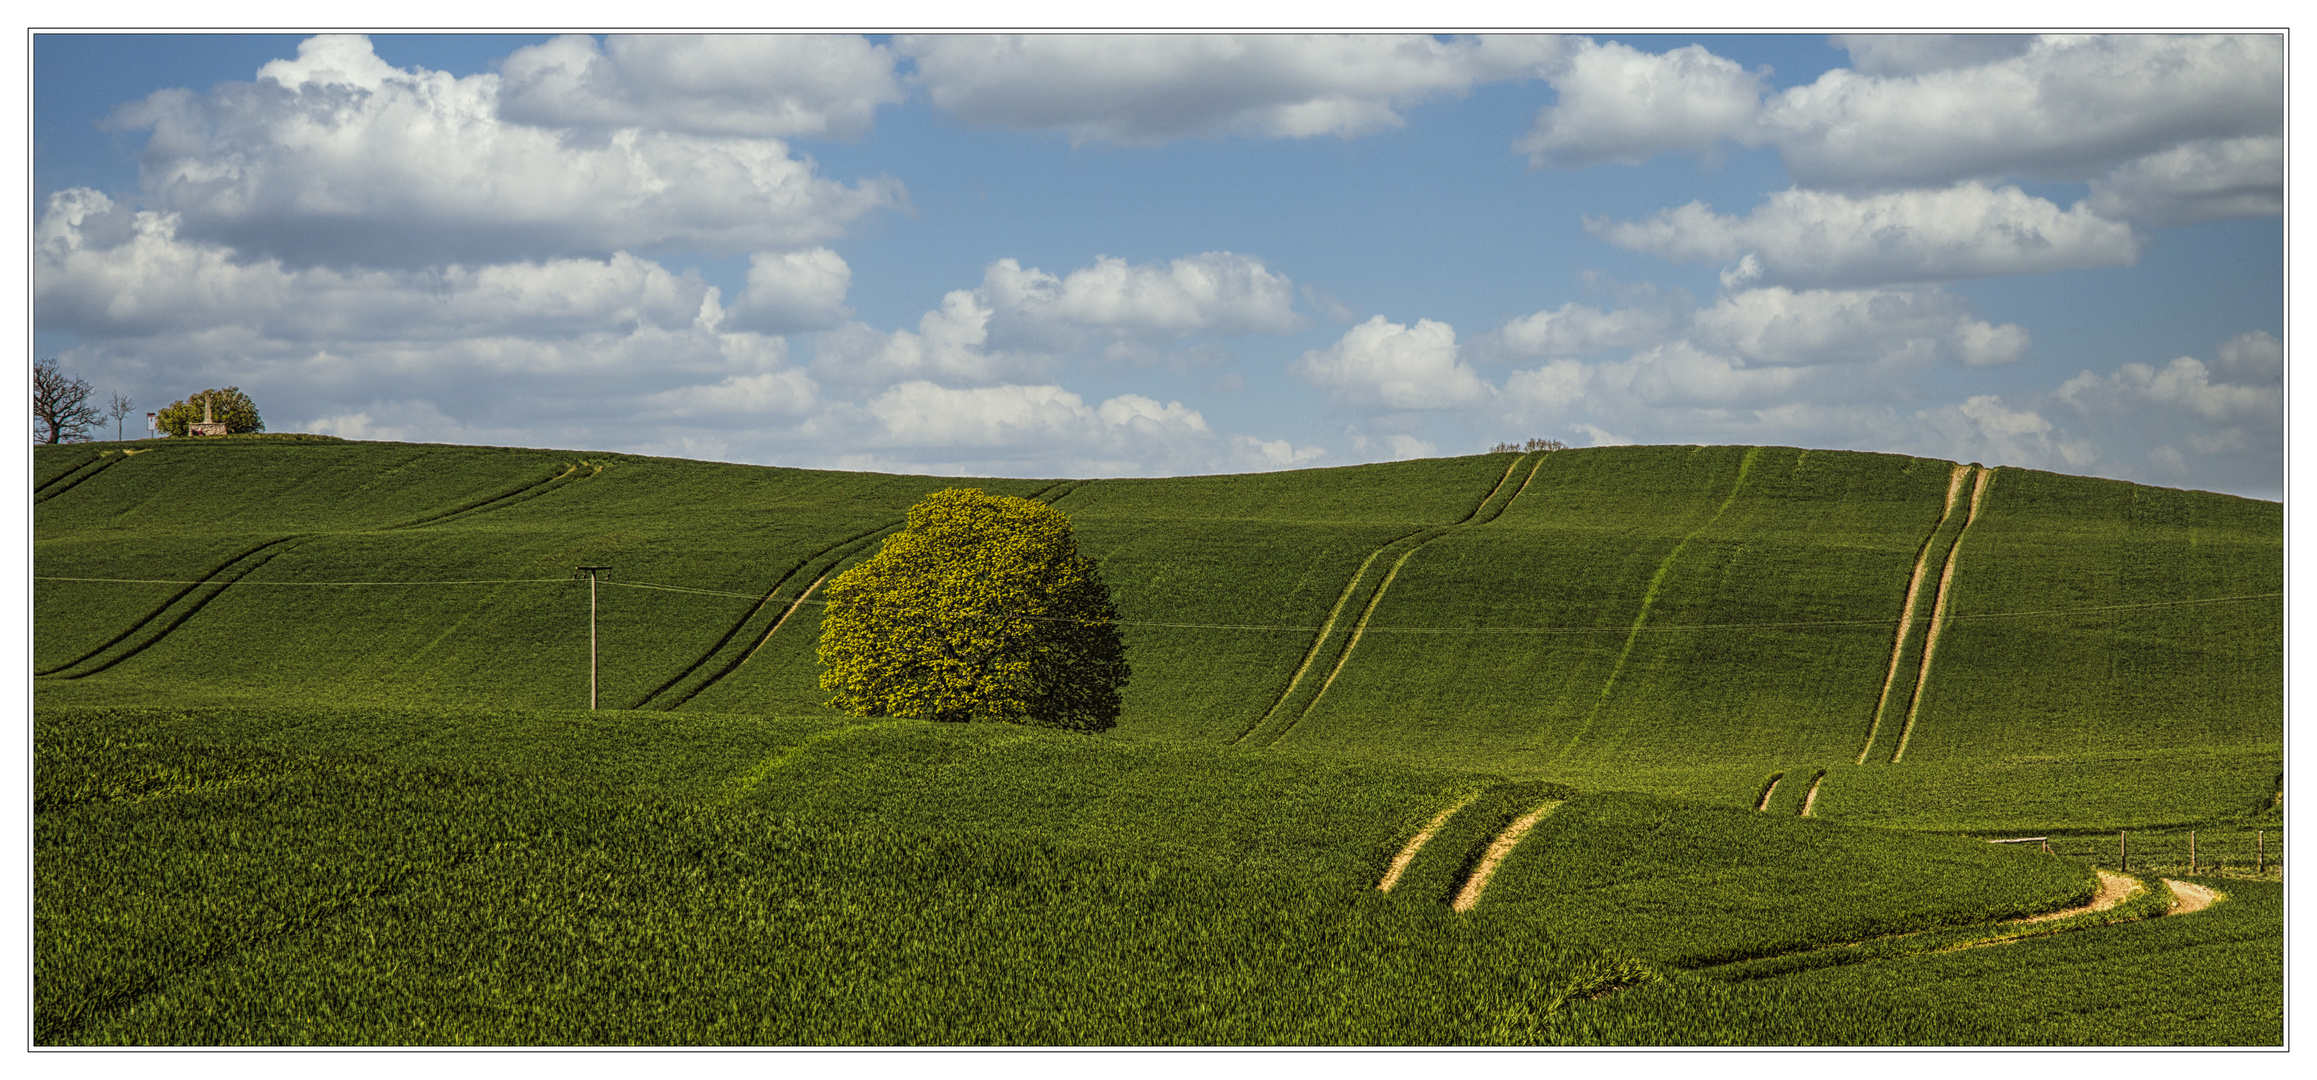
(1979, 485)
(209, 586)
(166, 629)
(826, 560)
(1289, 708)
(1416, 843)
(75, 476)
(1649, 600)
(1769, 788)
(1810, 797)
(1498, 849)
(2114, 890)
(522, 493)
(60, 475)
(1907, 609)
(206, 579)
(1481, 514)
(829, 555)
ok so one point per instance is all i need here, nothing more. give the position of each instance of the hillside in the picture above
(1595, 746)
(1685, 620)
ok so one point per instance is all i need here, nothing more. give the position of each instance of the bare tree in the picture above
(117, 408)
(60, 409)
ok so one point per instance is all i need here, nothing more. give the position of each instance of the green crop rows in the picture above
(313, 763)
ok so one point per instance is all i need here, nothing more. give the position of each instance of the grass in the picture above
(2215, 978)
(1689, 886)
(364, 876)
(1631, 616)
(389, 820)
(413, 894)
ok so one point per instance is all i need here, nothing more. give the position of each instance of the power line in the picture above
(313, 584)
(1796, 625)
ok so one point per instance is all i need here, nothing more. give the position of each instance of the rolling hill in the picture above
(1715, 681)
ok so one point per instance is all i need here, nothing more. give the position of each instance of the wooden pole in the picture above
(591, 571)
(591, 642)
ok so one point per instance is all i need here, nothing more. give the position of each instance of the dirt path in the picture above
(1810, 798)
(1762, 804)
(783, 620)
(2114, 889)
(1416, 843)
(1907, 609)
(1497, 850)
(2189, 899)
(1375, 600)
(1939, 610)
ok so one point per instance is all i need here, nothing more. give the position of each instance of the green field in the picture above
(313, 762)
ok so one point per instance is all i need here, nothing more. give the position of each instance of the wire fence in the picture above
(2230, 851)
(1539, 630)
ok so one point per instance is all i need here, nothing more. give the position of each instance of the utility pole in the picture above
(590, 571)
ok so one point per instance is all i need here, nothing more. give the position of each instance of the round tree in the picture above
(983, 608)
(229, 405)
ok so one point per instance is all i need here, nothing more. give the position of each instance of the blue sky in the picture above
(1091, 256)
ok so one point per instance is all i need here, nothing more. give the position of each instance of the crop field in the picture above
(1653, 744)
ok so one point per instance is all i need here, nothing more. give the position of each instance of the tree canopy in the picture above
(61, 412)
(983, 608)
(232, 408)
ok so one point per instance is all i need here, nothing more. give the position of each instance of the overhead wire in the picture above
(1660, 629)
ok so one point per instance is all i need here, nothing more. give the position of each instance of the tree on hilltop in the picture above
(232, 408)
(983, 608)
(117, 409)
(61, 412)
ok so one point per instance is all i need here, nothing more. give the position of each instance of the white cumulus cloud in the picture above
(1620, 105)
(1901, 55)
(1147, 89)
(1574, 329)
(2197, 181)
(1020, 429)
(104, 271)
(764, 85)
(2184, 384)
(788, 392)
(1022, 320)
(1217, 292)
(794, 290)
(1984, 429)
(947, 347)
(1826, 239)
(338, 157)
(1904, 327)
(2068, 107)
(1380, 364)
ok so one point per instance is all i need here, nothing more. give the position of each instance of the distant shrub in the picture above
(1531, 446)
(232, 408)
